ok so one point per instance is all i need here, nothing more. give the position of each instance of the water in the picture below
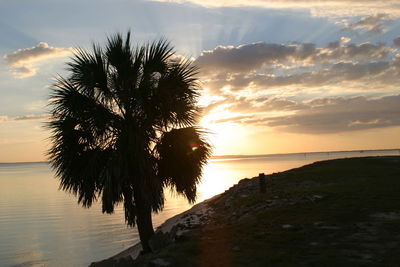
(42, 226)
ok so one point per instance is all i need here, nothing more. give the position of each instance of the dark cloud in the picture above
(244, 58)
(370, 73)
(332, 115)
(396, 41)
(251, 57)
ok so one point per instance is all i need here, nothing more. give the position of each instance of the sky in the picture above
(278, 76)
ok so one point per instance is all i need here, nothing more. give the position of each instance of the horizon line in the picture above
(247, 155)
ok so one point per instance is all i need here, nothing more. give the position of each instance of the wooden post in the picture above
(262, 183)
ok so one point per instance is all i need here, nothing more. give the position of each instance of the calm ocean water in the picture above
(42, 226)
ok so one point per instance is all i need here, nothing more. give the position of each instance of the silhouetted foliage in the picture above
(123, 128)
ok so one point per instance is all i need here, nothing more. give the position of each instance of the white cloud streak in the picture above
(28, 117)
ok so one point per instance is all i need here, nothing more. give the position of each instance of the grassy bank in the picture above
(342, 212)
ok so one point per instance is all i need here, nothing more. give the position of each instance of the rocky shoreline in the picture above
(165, 234)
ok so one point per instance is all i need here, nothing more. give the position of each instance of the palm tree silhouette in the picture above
(123, 129)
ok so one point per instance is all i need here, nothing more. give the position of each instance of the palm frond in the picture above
(177, 95)
(182, 154)
(120, 59)
(80, 170)
(129, 208)
(95, 119)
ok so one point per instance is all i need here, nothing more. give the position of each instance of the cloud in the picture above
(23, 71)
(357, 76)
(332, 115)
(250, 57)
(29, 117)
(249, 105)
(21, 61)
(321, 115)
(243, 58)
(338, 73)
(278, 86)
(373, 24)
(329, 8)
(265, 67)
(36, 53)
(239, 118)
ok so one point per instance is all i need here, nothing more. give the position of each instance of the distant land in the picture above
(301, 153)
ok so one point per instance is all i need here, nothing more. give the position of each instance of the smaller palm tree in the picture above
(123, 129)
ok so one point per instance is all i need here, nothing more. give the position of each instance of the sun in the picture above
(223, 134)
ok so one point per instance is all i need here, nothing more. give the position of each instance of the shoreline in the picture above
(293, 220)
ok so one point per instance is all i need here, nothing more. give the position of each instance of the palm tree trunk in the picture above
(143, 220)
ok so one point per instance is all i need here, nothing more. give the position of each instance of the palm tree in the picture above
(123, 129)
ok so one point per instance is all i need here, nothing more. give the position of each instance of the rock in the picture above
(387, 215)
(244, 180)
(160, 240)
(329, 227)
(160, 262)
(287, 226)
(173, 233)
(313, 198)
(318, 223)
(236, 248)
(367, 256)
(123, 262)
(324, 226)
(180, 233)
(309, 184)
(259, 207)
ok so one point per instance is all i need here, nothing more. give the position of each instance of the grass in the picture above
(343, 212)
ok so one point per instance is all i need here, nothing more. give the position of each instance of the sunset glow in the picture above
(277, 76)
